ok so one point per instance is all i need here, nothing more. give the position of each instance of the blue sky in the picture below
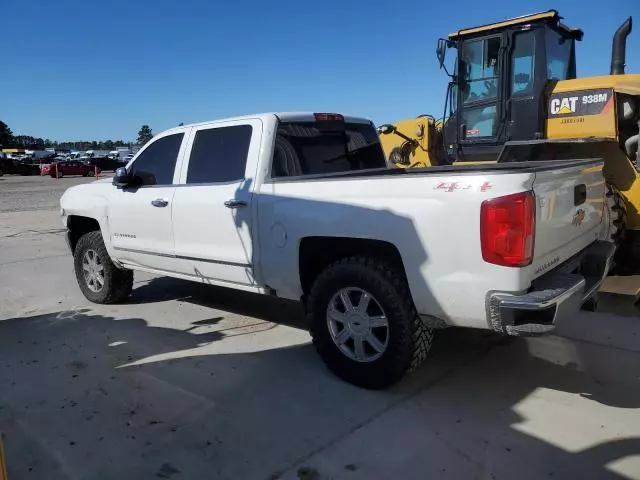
(97, 70)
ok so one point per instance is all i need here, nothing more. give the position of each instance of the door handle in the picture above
(235, 203)
(159, 202)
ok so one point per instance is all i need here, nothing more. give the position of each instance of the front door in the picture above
(212, 208)
(140, 216)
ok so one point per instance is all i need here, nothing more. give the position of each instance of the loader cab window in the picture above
(560, 58)
(523, 63)
(479, 88)
(479, 67)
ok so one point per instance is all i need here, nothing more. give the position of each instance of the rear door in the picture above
(212, 213)
(570, 209)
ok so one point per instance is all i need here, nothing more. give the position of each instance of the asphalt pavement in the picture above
(187, 381)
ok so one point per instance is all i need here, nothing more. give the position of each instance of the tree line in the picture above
(27, 142)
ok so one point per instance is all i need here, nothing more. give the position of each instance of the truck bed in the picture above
(486, 168)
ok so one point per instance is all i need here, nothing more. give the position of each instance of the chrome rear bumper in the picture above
(551, 297)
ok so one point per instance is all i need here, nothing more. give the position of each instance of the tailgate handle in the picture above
(579, 194)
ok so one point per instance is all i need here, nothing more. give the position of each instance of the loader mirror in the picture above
(386, 129)
(441, 50)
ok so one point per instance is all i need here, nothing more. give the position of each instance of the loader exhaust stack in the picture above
(618, 51)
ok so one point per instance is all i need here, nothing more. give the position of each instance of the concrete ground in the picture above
(187, 381)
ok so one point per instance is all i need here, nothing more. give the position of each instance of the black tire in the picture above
(617, 216)
(409, 339)
(627, 257)
(118, 283)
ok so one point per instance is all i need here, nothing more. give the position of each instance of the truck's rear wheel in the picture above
(99, 279)
(364, 324)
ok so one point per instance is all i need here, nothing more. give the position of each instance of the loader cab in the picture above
(500, 77)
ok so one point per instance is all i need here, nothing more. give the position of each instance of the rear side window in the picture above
(157, 163)
(219, 154)
(302, 148)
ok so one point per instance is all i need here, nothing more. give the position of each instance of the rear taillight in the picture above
(507, 229)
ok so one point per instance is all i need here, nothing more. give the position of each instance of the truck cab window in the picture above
(157, 163)
(219, 154)
(302, 148)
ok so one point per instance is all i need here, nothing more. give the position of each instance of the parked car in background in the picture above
(39, 156)
(104, 163)
(72, 167)
(119, 153)
(15, 166)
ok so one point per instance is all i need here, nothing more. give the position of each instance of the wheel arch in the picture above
(318, 252)
(79, 225)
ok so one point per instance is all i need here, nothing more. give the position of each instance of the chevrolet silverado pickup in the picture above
(301, 206)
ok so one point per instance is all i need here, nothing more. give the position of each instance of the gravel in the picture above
(22, 194)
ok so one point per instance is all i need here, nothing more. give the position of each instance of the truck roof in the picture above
(282, 116)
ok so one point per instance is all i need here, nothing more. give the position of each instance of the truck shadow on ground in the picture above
(80, 399)
(271, 309)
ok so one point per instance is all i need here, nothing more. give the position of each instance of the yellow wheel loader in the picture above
(513, 95)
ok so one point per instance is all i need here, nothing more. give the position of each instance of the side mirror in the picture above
(386, 129)
(441, 51)
(122, 178)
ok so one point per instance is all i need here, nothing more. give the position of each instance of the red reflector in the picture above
(324, 117)
(507, 229)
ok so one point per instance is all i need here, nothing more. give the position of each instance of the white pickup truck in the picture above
(302, 206)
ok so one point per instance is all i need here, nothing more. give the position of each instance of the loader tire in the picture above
(627, 257)
(98, 277)
(617, 214)
(405, 337)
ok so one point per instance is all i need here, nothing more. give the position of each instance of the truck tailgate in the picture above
(569, 213)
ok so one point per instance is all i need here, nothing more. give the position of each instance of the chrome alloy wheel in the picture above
(357, 324)
(93, 271)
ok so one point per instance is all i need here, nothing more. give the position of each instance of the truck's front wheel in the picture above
(364, 324)
(99, 279)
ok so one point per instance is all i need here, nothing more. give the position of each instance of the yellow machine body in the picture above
(571, 115)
